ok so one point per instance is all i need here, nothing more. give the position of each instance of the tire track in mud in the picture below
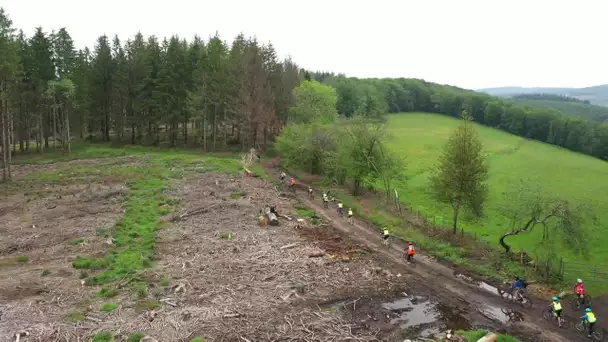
(484, 306)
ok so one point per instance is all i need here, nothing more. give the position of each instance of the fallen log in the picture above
(234, 315)
(272, 217)
(202, 210)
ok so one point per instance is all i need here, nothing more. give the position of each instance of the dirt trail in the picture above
(445, 283)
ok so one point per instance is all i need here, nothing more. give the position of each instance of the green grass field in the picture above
(420, 139)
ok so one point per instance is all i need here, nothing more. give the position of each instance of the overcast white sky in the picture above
(468, 43)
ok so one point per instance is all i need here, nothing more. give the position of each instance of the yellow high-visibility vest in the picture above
(591, 317)
(557, 306)
(386, 232)
(350, 213)
(339, 205)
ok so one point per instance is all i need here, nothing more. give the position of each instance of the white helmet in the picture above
(579, 280)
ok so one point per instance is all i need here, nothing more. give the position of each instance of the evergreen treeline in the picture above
(141, 91)
(175, 92)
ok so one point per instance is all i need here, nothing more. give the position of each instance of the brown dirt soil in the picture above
(273, 291)
(50, 226)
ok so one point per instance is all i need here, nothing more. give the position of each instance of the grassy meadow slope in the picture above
(420, 138)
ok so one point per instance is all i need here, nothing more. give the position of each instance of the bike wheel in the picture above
(575, 304)
(598, 335)
(547, 314)
(587, 300)
(526, 302)
(565, 324)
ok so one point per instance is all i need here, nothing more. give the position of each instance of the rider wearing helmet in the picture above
(350, 212)
(340, 208)
(518, 285)
(557, 307)
(411, 250)
(579, 288)
(589, 317)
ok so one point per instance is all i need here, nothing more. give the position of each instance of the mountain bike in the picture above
(583, 326)
(549, 314)
(517, 297)
(579, 301)
(387, 241)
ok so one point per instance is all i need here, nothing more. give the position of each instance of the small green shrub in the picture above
(108, 292)
(23, 259)
(103, 337)
(135, 337)
(108, 307)
(75, 317)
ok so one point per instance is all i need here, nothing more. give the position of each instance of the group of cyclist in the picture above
(519, 285)
(410, 250)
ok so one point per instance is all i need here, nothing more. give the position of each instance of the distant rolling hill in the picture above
(581, 110)
(597, 95)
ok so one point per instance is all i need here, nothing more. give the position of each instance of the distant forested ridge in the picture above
(549, 97)
(597, 95)
(413, 95)
(578, 108)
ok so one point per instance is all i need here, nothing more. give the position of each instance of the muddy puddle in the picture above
(407, 316)
(422, 317)
(502, 314)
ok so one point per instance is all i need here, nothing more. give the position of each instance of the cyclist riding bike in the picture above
(385, 236)
(589, 318)
(292, 184)
(283, 175)
(350, 215)
(325, 199)
(340, 208)
(411, 250)
(579, 288)
(556, 307)
(310, 192)
(519, 285)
